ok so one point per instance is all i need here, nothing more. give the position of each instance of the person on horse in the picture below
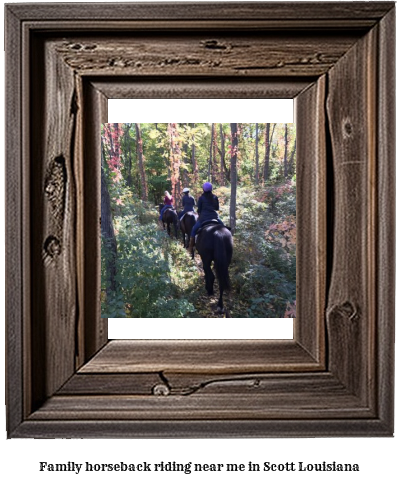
(187, 202)
(167, 202)
(208, 206)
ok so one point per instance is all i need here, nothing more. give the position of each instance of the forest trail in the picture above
(205, 306)
(145, 274)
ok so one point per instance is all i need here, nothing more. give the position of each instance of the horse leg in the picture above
(209, 277)
(220, 302)
(168, 228)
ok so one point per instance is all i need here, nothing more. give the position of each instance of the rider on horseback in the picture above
(167, 202)
(187, 202)
(208, 205)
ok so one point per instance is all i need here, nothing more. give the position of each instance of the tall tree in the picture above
(193, 155)
(140, 159)
(222, 152)
(256, 153)
(107, 229)
(186, 178)
(128, 149)
(175, 158)
(267, 153)
(233, 175)
(285, 150)
(215, 174)
(268, 143)
(210, 169)
(291, 162)
(222, 155)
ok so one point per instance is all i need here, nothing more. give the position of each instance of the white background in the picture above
(377, 457)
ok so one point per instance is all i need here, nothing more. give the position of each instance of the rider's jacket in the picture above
(188, 203)
(208, 205)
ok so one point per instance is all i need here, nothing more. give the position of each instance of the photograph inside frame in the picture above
(198, 220)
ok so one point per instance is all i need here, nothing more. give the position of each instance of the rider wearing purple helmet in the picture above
(208, 206)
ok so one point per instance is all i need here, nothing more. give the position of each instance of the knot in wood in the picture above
(161, 390)
(52, 246)
(347, 128)
(50, 188)
(213, 44)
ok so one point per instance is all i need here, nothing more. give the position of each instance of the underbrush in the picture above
(154, 272)
(156, 278)
(263, 271)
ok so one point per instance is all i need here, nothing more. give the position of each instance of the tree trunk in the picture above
(256, 154)
(222, 156)
(267, 153)
(193, 159)
(107, 230)
(139, 147)
(291, 163)
(175, 158)
(210, 154)
(286, 151)
(215, 176)
(268, 143)
(233, 175)
(186, 177)
(128, 143)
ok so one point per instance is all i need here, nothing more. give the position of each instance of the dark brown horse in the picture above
(186, 224)
(169, 218)
(215, 243)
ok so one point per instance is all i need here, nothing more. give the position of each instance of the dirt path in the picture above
(207, 305)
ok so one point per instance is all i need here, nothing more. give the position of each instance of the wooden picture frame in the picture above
(335, 378)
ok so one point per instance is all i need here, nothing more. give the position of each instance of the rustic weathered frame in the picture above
(336, 377)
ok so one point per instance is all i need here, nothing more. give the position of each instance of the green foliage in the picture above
(263, 271)
(150, 282)
(154, 275)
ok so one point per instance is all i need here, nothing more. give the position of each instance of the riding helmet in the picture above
(186, 190)
(207, 187)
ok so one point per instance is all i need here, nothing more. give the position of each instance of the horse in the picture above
(169, 217)
(186, 224)
(215, 243)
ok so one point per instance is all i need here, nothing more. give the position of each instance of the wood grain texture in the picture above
(14, 261)
(67, 60)
(352, 126)
(311, 218)
(385, 272)
(95, 329)
(203, 407)
(310, 196)
(116, 428)
(200, 356)
(176, 87)
(53, 135)
(247, 11)
(184, 384)
(240, 55)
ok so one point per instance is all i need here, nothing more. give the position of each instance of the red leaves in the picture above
(175, 155)
(112, 135)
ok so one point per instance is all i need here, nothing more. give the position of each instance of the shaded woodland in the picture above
(252, 166)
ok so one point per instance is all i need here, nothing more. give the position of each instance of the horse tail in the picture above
(223, 251)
